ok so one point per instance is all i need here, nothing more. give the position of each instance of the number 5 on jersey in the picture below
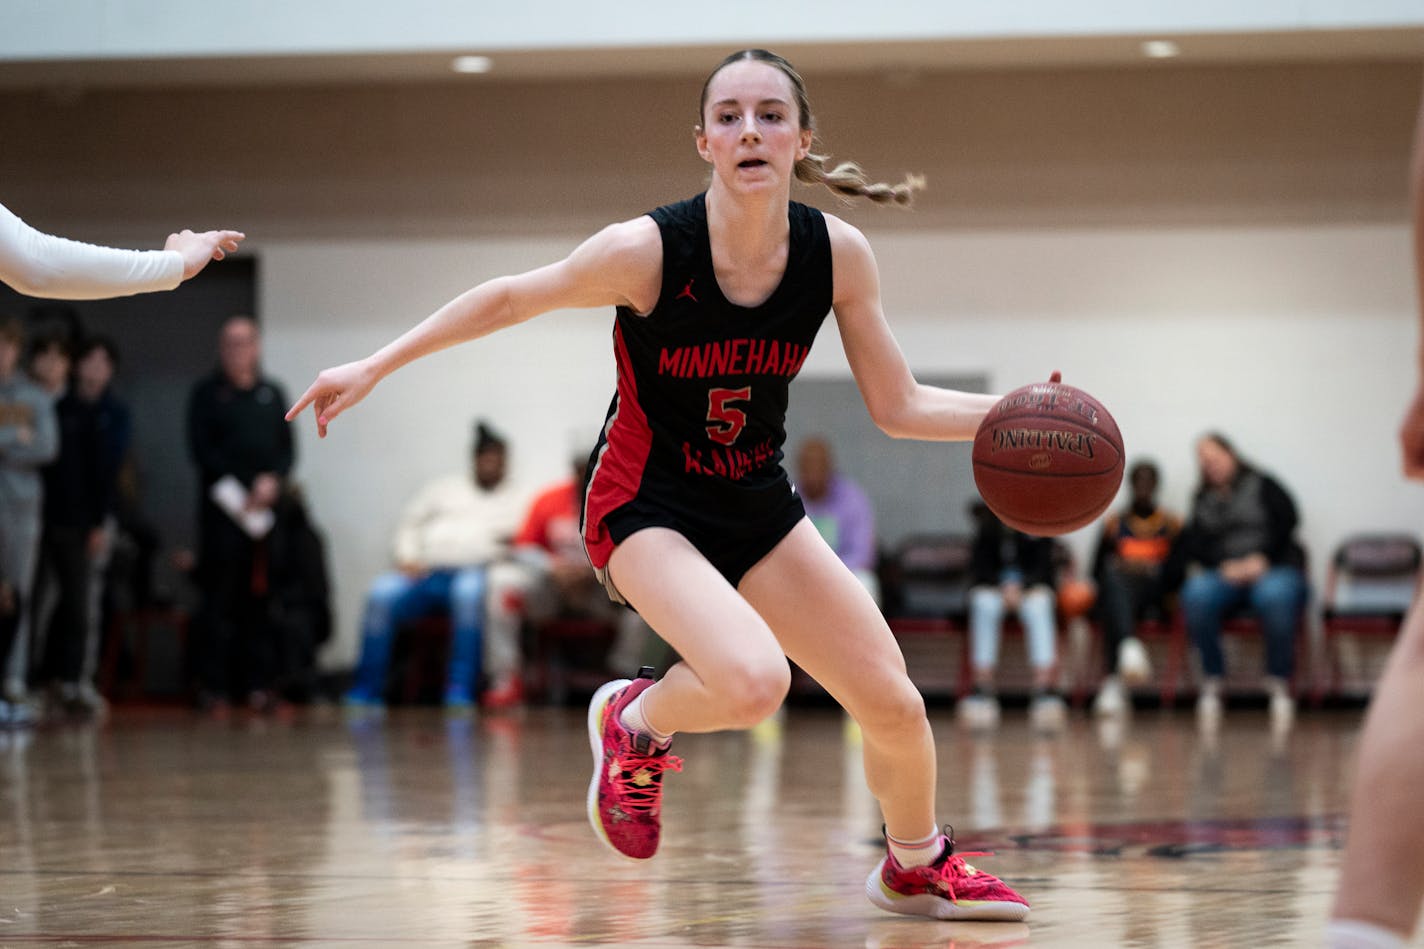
(727, 422)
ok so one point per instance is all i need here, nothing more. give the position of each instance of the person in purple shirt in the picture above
(839, 509)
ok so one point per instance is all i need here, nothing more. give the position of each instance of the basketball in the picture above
(1048, 458)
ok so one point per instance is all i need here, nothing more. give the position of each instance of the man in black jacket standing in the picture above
(244, 451)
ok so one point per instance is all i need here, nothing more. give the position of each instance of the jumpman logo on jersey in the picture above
(686, 293)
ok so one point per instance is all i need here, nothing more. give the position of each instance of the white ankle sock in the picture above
(916, 853)
(635, 721)
(1355, 934)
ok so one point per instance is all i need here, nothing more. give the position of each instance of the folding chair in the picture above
(1371, 583)
(926, 584)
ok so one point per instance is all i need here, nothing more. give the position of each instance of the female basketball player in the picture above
(1381, 884)
(689, 515)
(40, 265)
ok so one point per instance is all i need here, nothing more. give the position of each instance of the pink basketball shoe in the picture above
(949, 888)
(625, 795)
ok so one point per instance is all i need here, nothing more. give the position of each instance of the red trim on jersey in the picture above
(618, 470)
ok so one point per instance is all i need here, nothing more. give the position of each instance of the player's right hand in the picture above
(334, 391)
(1411, 436)
(197, 249)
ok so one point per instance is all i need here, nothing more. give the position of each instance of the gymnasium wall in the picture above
(1200, 247)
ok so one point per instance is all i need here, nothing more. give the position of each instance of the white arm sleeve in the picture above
(39, 265)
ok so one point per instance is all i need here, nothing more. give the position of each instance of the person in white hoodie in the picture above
(448, 535)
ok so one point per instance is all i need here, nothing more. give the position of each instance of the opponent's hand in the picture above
(1411, 436)
(334, 391)
(198, 249)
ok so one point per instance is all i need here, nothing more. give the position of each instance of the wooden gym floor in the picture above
(162, 829)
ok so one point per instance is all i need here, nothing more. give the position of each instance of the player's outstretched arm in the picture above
(900, 406)
(42, 265)
(619, 266)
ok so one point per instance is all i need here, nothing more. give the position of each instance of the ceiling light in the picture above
(472, 64)
(1160, 49)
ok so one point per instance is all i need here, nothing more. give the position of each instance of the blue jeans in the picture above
(396, 599)
(986, 618)
(1277, 599)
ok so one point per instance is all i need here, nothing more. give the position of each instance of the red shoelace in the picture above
(953, 865)
(639, 780)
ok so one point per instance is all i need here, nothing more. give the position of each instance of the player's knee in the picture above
(756, 692)
(908, 712)
(895, 710)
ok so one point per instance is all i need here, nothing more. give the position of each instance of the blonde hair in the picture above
(845, 178)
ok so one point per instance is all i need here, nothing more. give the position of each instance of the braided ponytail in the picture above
(846, 178)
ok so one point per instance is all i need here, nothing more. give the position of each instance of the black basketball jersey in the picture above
(698, 418)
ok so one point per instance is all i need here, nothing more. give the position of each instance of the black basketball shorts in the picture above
(733, 533)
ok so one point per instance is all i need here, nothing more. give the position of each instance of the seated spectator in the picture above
(1011, 571)
(1127, 567)
(448, 535)
(549, 575)
(1236, 551)
(839, 509)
